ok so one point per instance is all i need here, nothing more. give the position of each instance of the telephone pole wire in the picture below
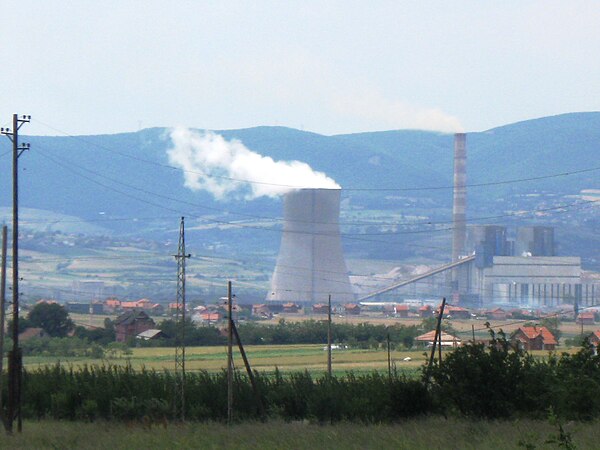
(14, 358)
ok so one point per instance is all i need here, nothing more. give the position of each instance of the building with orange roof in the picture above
(402, 310)
(320, 308)
(447, 339)
(534, 338)
(456, 312)
(352, 308)
(425, 311)
(586, 318)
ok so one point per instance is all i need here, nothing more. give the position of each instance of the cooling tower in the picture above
(311, 265)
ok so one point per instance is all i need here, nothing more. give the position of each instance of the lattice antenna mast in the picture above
(181, 256)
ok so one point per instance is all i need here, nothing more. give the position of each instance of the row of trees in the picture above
(67, 339)
(303, 332)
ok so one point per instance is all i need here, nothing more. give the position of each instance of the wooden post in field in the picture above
(2, 312)
(259, 404)
(389, 358)
(229, 354)
(473, 332)
(329, 338)
(438, 332)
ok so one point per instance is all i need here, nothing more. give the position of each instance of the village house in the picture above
(111, 305)
(496, 314)
(425, 311)
(586, 318)
(456, 312)
(352, 309)
(148, 335)
(447, 340)
(208, 317)
(173, 308)
(534, 338)
(402, 311)
(31, 333)
(261, 310)
(320, 308)
(132, 323)
(291, 308)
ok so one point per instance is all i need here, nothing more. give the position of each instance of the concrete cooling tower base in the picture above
(311, 265)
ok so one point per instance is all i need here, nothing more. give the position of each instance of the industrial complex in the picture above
(490, 264)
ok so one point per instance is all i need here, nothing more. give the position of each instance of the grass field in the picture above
(287, 358)
(265, 358)
(426, 433)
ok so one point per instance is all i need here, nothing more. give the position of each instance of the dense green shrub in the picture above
(473, 381)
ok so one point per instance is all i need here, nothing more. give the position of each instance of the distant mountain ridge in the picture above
(126, 175)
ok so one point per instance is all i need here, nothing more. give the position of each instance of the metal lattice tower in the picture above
(181, 256)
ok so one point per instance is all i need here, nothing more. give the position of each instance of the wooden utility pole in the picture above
(229, 355)
(329, 337)
(14, 358)
(2, 315)
(259, 404)
(389, 357)
(438, 332)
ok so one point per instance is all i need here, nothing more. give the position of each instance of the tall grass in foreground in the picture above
(424, 433)
(473, 381)
(122, 393)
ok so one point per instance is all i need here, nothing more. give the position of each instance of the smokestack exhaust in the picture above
(311, 264)
(459, 207)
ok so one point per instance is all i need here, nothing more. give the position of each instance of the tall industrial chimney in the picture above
(459, 207)
(311, 265)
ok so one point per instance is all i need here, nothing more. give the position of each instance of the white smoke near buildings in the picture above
(222, 167)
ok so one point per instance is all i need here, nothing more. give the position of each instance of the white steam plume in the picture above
(221, 167)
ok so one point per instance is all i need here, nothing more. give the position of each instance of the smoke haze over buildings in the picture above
(223, 168)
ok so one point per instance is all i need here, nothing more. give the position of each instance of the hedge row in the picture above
(473, 381)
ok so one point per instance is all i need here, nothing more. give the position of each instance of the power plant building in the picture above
(524, 271)
(310, 265)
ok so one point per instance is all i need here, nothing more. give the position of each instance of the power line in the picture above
(238, 180)
(240, 225)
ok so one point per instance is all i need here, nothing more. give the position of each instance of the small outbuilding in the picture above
(150, 334)
(447, 339)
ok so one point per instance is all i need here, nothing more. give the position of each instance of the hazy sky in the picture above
(326, 66)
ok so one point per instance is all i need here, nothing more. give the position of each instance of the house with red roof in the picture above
(111, 305)
(132, 323)
(352, 309)
(447, 340)
(586, 318)
(320, 308)
(425, 311)
(291, 308)
(456, 312)
(534, 338)
(402, 311)
(496, 314)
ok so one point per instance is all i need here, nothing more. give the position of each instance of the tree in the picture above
(52, 318)
(553, 325)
